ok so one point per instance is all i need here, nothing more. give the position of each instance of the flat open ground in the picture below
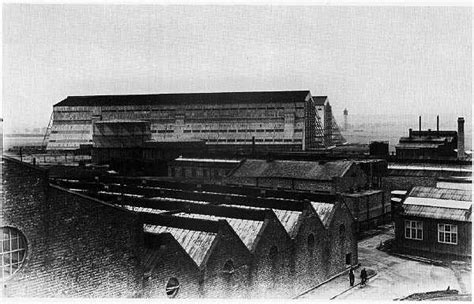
(395, 277)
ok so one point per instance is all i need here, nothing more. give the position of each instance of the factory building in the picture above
(435, 221)
(66, 243)
(285, 120)
(432, 144)
(326, 177)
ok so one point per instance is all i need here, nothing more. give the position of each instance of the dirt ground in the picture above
(395, 277)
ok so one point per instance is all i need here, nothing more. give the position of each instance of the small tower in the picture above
(461, 153)
(346, 125)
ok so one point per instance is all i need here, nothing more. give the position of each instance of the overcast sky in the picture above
(372, 60)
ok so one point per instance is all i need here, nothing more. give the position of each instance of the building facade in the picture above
(285, 120)
(435, 221)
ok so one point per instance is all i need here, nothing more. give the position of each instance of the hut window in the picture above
(414, 230)
(448, 234)
(228, 267)
(172, 287)
(13, 251)
(310, 241)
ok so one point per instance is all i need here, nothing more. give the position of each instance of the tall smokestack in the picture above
(419, 123)
(461, 154)
(437, 124)
(346, 125)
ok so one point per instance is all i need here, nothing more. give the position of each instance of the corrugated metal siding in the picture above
(195, 243)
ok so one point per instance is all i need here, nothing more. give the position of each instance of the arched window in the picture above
(228, 267)
(273, 252)
(172, 287)
(310, 241)
(13, 251)
(342, 230)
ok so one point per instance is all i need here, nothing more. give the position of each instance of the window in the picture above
(342, 230)
(310, 241)
(228, 267)
(413, 230)
(183, 172)
(448, 234)
(172, 287)
(193, 172)
(205, 172)
(13, 251)
(273, 252)
(173, 171)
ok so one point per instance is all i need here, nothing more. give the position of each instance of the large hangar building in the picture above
(279, 120)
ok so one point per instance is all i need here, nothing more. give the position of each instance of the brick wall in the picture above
(166, 259)
(77, 246)
(271, 275)
(218, 284)
(310, 262)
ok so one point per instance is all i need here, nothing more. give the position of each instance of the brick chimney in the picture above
(461, 154)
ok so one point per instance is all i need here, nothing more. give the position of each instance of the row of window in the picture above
(256, 140)
(447, 233)
(227, 131)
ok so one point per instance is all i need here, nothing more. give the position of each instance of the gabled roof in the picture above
(292, 169)
(185, 98)
(196, 243)
(439, 203)
(290, 220)
(320, 100)
(247, 230)
(325, 212)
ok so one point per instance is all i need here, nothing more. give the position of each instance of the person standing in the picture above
(363, 277)
(351, 277)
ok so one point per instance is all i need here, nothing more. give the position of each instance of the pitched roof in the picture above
(439, 203)
(441, 193)
(324, 211)
(289, 219)
(196, 243)
(292, 169)
(185, 98)
(320, 100)
(247, 230)
(462, 215)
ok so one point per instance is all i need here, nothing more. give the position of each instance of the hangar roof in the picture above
(185, 98)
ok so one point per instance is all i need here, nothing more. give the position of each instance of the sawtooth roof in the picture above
(292, 169)
(185, 98)
(196, 243)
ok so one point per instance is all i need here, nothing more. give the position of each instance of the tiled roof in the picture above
(324, 211)
(441, 193)
(247, 230)
(292, 169)
(185, 98)
(196, 243)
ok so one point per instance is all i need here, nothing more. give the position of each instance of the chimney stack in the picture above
(410, 132)
(437, 124)
(419, 123)
(461, 154)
